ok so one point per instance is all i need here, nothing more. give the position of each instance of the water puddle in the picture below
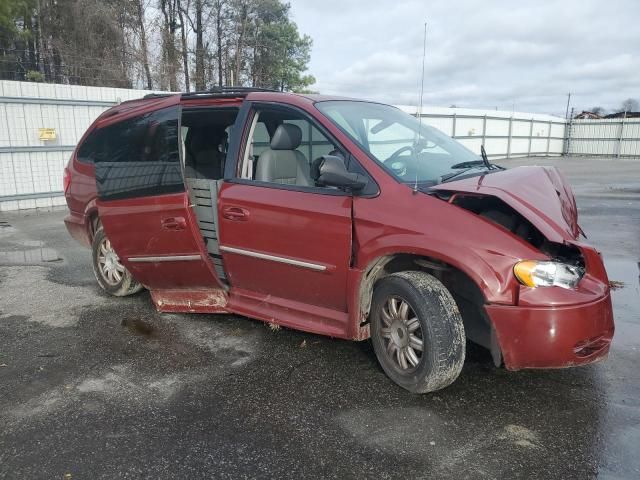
(35, 254)
(16, 250)
(138, 326)
(625, 276)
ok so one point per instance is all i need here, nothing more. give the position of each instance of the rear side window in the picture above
(92, 146)
(136, 157)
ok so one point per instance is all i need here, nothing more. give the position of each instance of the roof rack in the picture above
(158, 95)
(213, 92)
(227, 91)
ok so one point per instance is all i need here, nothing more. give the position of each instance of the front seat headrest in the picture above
(287, 137)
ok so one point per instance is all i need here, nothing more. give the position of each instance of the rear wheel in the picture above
(417, 331)
(111, 275)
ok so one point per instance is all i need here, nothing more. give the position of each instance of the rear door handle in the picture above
(235, 213)
(174, 223)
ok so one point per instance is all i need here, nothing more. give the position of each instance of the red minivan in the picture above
(343, 218)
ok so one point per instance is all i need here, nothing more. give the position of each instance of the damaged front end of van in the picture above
(561, 315)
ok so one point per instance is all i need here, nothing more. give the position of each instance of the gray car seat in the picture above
(282, 163)
(204, 159)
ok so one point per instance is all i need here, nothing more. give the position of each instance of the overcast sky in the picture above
(489, 53)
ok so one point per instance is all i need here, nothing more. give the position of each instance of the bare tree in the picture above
(169, 50)
(195, 18)
(140, 19)
(113, 43)
(219, 10)
(242, 9)
(185, 50)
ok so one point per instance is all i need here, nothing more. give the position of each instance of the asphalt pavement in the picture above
(98, 387)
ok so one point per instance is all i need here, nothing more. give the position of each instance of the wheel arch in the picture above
(465, 287)
(92, 219)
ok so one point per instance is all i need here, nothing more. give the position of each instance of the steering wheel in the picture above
(398, 152)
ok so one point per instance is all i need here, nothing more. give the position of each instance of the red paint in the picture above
(137, 228)
(297, 225)
(290, 313)
(546, 337)
(536, 328)
(540, 194)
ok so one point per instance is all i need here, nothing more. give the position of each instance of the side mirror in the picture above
(329, 170)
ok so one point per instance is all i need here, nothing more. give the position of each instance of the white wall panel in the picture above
(520, 128)
(606, 137)
(495, 146)
(540, 129)
(444, 124)
(7, 177)
(497, 128)
(468, 127)
(472, 144)
(558, 130)
(519, 146)
(4, 126)
(538, 145)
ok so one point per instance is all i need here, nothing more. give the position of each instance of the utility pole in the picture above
(424, 54)
(568, 134)
(566, 113)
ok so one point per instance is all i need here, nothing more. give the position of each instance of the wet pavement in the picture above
(101, 387)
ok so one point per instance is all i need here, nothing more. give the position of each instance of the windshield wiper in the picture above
(478, 163)
(450, 176)
(485, 159)
(472, 163)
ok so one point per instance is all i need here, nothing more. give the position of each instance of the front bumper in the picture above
(553, 336)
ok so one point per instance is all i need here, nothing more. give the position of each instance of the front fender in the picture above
(491, 271)
(498, 285)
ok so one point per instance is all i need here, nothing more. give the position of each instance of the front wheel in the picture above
(111, 275)
(417, 331)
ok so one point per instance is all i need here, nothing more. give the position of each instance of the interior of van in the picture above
(281, 149)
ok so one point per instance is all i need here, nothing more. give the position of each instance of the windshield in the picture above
(413, 153)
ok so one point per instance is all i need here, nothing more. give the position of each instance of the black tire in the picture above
(440, 332)
(119, 285)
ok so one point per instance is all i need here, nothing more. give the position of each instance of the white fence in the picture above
(504, 134)
(31, 166)
(617, 137)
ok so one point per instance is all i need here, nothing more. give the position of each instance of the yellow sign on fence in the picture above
(47, 133)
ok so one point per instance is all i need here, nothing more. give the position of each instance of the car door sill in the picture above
(289, 313)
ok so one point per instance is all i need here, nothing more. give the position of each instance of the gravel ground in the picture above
(100, 387)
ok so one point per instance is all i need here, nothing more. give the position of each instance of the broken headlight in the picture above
(534, 273)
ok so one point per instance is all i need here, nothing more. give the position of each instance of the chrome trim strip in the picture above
(273, 258)
(168, 258)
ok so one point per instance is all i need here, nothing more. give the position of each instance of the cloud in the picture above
(479, 54)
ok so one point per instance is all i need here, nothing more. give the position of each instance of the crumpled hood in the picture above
(540, 194)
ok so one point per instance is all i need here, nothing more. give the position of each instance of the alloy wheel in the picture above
(401, 334)
(109, 264)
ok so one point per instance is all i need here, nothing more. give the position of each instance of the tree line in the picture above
(154, 44)
(630, 105)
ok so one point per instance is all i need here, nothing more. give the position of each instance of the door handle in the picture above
(174, 223)
(235, 213)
